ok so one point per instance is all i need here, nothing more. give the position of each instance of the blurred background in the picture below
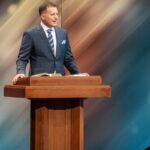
(110, 38)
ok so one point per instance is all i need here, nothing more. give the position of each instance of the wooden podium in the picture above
(57, 121)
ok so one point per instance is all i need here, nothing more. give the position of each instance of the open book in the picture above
(79, 75)
(47, 74)
(59, 75)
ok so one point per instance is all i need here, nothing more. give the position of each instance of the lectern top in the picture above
(58, 87)
(58, 81)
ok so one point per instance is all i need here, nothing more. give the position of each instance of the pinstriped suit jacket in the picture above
(36, 50)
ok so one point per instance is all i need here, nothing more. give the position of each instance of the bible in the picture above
(47, 74)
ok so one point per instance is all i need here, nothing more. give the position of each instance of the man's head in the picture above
(49, 14)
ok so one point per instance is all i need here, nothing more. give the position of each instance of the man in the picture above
(45, 46)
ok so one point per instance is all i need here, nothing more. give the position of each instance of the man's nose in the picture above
(56, 16)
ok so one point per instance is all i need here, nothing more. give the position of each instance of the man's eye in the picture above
(54, 14)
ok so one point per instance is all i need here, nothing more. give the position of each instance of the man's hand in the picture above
(17, 77)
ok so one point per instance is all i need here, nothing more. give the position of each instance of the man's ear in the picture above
(42, 16)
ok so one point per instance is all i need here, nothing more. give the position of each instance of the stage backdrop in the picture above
(110, 38)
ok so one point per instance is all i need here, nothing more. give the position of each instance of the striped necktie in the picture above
(50, 39)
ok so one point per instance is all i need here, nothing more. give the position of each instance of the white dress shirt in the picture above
(45, 28)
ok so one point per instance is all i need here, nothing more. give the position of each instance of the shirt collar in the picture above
(46, 27)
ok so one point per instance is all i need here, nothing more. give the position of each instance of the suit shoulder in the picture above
(32, 32)
(32, 29)
(61, 29)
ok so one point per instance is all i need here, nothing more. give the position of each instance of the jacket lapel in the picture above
(58, 40)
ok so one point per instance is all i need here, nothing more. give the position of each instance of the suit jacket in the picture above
(35, 49)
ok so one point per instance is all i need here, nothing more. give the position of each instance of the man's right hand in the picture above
(16, 77)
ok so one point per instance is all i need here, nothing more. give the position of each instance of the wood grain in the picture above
(57, 124)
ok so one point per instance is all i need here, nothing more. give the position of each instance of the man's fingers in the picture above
(17, 77)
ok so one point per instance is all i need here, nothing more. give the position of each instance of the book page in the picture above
(46, 74)
(80, 75)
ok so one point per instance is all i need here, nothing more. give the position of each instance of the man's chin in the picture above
(55, 24)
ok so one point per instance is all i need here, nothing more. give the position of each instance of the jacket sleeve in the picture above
(70, 62)
(24, 53)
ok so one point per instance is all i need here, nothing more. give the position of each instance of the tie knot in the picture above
(49, 31)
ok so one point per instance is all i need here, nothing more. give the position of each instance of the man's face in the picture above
(50, 17)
